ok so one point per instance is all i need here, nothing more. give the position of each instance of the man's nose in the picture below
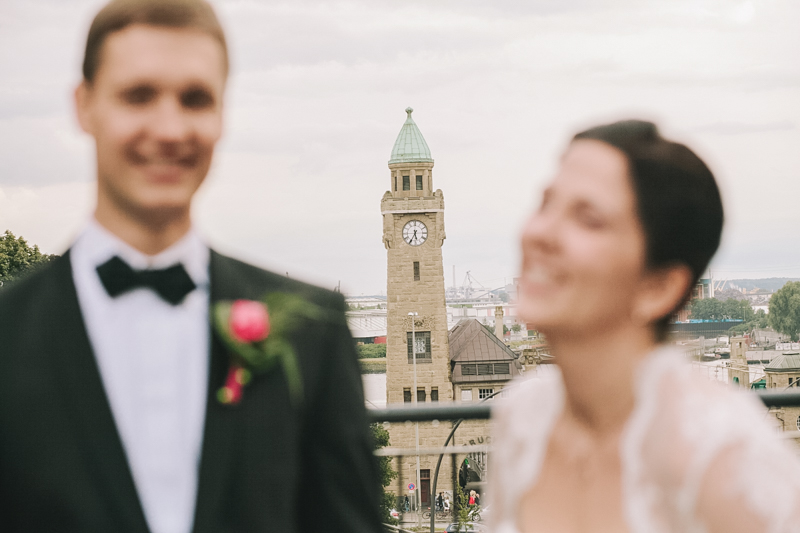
(170, 123)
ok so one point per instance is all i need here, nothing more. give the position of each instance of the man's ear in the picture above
(662, 291)
(83, 106)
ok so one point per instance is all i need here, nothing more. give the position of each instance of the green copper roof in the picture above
(410, 146)
(785, 362)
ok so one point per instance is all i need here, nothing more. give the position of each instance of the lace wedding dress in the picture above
(686, 433)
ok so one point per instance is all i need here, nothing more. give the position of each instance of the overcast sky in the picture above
(316, 100)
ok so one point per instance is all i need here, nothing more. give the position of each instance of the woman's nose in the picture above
(540, 231)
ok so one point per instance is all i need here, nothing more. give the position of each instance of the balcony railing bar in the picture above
(432, 450)
(482, 411)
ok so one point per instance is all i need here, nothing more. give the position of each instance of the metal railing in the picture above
(458, 412)
(483, 411)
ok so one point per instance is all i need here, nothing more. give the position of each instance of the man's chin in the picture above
(162, 211)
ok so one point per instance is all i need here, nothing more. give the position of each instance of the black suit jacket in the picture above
(267, 465)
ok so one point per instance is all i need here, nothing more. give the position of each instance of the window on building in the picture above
(416, 270)
(798, 423)
(423, 347)
(466, 395)
(406, 183)
(395, 183)
(501, 368)
(424, 473)
(484, 369)
(790, 381)
(434, 394)
(419, 183)
(485, 393)
(420, 395)
(407, 395)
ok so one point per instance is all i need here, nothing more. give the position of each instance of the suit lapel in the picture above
(214, 481)
(84, 392)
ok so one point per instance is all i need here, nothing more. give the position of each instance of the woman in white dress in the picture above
(624, 436)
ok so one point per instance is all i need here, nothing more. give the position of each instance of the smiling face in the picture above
(584, 249)
(154, 109)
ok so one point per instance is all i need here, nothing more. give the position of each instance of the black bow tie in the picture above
(172, 284)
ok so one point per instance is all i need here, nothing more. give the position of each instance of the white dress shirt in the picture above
(153, 360)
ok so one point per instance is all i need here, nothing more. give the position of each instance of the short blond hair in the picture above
(119, 14)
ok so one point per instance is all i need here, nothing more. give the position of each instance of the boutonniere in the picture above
(257, 334)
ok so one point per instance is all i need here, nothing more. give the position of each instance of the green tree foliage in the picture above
(784, 310)
(516, 328)
(713, 309)
(760, 320)
(371, 351)
(465, 513)
(381, 439)
(17, 258)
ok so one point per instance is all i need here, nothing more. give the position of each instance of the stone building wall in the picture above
(424, 295)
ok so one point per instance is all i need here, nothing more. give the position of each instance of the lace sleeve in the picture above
(522, 423)
(703, 457)
(498, 497)
(753, 487)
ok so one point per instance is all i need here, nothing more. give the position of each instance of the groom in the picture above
(113, 416)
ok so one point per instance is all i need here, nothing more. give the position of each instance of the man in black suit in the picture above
(110, 417)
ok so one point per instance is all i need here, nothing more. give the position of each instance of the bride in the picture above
(625, 437)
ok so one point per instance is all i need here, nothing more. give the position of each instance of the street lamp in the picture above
(418, 498)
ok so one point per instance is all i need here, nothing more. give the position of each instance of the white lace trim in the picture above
(681, 426)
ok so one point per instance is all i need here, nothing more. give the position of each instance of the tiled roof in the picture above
(410, 146)
(470, 344)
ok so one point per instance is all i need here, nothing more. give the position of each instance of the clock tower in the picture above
(413, 233)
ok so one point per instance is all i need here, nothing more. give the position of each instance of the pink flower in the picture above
(249, 321)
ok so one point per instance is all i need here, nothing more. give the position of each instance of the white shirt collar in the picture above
(98, 245)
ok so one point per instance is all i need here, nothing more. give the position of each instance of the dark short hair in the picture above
(677, 199)
(119, 14)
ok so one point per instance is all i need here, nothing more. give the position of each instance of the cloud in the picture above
(318, 90)
(49, 216)
(739, 128)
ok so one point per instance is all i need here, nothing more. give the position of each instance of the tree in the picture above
(759, 320)
(371, 351)
(17, 258)
(463, 511)
(713, 309)
(784, 310)
(465, 514)
(707, 309)
(380, 439)
(516, 328)
(737, 310)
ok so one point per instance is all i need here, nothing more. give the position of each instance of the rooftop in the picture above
(470, 343)
(410, 146)
(785, 362)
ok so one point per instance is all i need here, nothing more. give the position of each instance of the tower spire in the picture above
(410, 146)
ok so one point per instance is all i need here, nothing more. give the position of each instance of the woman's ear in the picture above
(662, 290)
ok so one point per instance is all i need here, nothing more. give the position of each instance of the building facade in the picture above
(413, 234)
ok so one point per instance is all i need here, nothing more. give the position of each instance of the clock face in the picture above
(415, 233)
